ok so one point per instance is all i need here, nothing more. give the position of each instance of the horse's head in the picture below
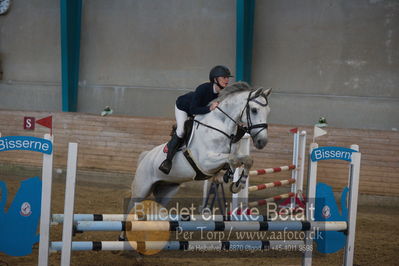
(255, 116)
(248, 109)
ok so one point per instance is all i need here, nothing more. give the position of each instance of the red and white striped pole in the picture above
(271, 185)
(272, 199)
(272, 170)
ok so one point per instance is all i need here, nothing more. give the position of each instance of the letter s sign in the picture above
(29, 123)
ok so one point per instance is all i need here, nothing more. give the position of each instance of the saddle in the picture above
(188, 129)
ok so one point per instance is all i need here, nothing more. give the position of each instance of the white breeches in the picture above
(181, 117)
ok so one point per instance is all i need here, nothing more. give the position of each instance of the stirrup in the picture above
(165, 166)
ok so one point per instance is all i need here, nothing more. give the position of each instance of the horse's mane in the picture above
(232, 89)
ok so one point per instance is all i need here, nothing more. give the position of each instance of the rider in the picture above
(195, 103)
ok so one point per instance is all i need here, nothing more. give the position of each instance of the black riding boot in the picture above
(173, 146)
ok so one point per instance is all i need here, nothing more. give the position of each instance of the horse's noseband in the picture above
(251, 126)
(241, 129)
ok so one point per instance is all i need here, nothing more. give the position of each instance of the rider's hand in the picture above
(213, 106)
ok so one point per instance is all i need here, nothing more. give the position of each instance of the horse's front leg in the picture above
(214, 160)
(236, 161)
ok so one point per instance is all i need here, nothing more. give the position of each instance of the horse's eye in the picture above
(254, 111)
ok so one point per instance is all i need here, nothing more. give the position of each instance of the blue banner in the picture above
(26, 143)
(19, 222)
(327, 210)
(331, 153)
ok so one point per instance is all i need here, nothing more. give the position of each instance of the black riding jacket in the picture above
(196, 102)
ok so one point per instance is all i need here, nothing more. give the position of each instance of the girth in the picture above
(200, 175)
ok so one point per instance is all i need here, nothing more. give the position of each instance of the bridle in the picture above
(242, 129)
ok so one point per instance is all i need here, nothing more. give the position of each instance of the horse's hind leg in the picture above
(139, 193)
(164, 191)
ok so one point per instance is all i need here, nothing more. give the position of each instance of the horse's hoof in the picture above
(235, 187)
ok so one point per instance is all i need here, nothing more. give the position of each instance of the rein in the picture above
(241, 130)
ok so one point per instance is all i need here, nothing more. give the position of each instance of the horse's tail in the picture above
(141, 156)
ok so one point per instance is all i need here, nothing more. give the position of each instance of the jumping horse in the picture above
(213, 144)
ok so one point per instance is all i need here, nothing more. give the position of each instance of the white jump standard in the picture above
(353, 185)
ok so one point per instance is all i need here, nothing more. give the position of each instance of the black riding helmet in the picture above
(219, 71)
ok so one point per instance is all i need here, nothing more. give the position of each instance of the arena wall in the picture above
(113, 144)
(337, 59)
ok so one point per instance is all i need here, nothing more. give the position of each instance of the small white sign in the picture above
(326, 212)
(26, 209)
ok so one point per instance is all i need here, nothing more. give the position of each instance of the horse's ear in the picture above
(267, 92)
(258, 93)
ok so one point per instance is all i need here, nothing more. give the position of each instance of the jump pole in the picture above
(262, 202)
(272, 245)
(173, 226)
(59, 218)
(271, 184)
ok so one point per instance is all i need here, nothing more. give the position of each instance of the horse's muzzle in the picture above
(260, 143)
